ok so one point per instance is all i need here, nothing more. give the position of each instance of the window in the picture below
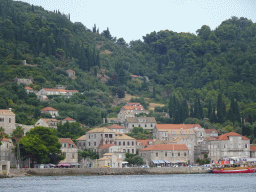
(172, 154)
(132, 125)
(246, 145)
(201, 133)
(124, 143)
(224, 146)
(110, 135)
(106, 135)
(157, 154)
(179, 154)
(65, 145)
(1, 119)
(128, 143)
(115, 142)
(151, 125)
(145, 125)
(10, 120)
(185, 154)
(165, 154)
(94, 143)
(89, 136)
(139, 125)
(132, 143)
(128, 150)
(132, 150)
(89, 143)
(94, 136)
(182, 132)
(119, 143)
(64, 154)
(73, 156)
(124, 150)
(72, 146)
(84, 143)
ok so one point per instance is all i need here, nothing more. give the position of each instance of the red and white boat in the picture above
(246, 170)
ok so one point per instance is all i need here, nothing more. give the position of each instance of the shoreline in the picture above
(105, 171)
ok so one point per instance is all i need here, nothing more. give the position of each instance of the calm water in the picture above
(193, 182)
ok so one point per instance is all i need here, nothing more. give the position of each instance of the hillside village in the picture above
(171, 144)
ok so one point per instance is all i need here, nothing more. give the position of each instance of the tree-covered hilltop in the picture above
(208, 75)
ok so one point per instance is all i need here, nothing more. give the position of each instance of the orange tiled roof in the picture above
(166, 147)
(177, 126)
(210, 130)
(253, 147)
(48, 120)
(107, 146)
(115, 126)
(49, 109)
(28, 88)
(73, 91)
(128, 107)
(71, 70)
(67, 140)
(6, 140)
(50, 89)
(227, 135)
(68, 119)
(145, 142)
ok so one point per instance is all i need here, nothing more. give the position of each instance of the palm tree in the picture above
(17, 134)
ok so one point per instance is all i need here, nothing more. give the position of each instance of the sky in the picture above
(134, 19)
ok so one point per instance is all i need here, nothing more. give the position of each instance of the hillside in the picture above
(208, 77)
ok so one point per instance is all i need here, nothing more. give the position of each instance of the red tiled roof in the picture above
(166, 147)
(210, 130)
(68, 119)
(28, 88)
(253, 147)
(74, 91)
(106, 146)
(71, 70)
(49, 109)
(67, 140)
(6, 140)
(227, 135)
(145, 142)
(50, 89)
(115, 126)
(134, 76)
(128, 107)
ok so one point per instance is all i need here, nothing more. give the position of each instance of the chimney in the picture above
(10, 109)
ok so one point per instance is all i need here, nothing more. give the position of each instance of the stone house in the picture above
(165, 153)
(24, 81)
(50, 110)
(71, 73)
(44, 92)
(99, 136)
(29, 90)
(126, 143)
(253, 151)
(7, 120)
(118, 128)
(130, 110)
(52, 123)
(113, 160)
(211, 133)
(107, 148)
(70, 151)
(147, 123)
(81, 143)
(228, 145)
(6, 150)
(70, 120)
(142, 143)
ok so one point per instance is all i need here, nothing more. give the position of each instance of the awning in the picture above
(166, 161)
(124, 162)
(161, 161)
(64, 164)
(74, 164)
(155, 161)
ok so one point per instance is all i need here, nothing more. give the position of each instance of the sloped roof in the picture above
(74, 91)
(177, 126)
(136, 119)
(49, 109)
(121, 136)
(144, 142)
(82, 138)
(67, 140)
(181, 131)
(166, 147)
(106, 146)
(101, 130)
(227, 135)
(253, 147)
(70, 70)
(104, 158)
(68, 119)
(128, 107)
(6, 140)
(28, 88)
(48, 120)
(210, 130)
(6, 112)
(115, 126)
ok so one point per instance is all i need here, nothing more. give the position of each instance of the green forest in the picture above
(207, 77)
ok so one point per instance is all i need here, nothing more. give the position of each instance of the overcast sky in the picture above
(132, 19)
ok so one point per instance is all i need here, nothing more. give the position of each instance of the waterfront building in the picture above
(7, 120)
(81, 143)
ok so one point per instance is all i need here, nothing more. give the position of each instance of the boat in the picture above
(246, 170)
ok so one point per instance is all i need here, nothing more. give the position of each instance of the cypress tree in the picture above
(209, 109)
(220, 109)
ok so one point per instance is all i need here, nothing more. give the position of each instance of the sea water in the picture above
(171, 182)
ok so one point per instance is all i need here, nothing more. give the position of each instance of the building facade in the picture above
(69, 150)
(7, 120)
(147, 123)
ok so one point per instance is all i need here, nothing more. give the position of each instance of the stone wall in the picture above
(115, 171)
